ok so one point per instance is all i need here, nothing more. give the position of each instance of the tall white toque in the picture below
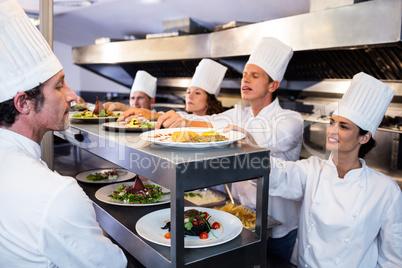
(26, 59)
(144, 82)
(208, 76)
(365, 102)
(272, 56)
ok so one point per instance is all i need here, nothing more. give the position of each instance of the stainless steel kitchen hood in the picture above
(329, 44)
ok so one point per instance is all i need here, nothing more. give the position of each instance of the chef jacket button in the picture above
(308, 246)
(317, 202)
(355, 215)
(336, 261)
(305, 265)
(346, 240)
(312, 225)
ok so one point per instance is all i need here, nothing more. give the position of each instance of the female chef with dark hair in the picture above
(351, 215)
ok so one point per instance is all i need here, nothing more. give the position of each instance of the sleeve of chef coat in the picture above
(287, 179)
(218, 121)
(279, 133)
(72, 236)
(390, 250)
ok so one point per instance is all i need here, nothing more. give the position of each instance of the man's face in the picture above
(254, 83)
(53, 114)
(139, 99)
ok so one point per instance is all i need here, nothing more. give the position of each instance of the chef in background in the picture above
(46, 220)
(271, 126)
(351, 214)
(142, 93)
(201, 94)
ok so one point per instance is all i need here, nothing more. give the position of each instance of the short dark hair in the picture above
(365, 148)
(274, 94)
(8, 112)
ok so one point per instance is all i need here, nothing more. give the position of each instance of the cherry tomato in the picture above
(201, 221)
(195, 222)
(205, 215)
(215, 225)
(167, 235)
(204, 235)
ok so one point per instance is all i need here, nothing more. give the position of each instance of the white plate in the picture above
(123, 126)
(91, 120)
(149, 227)
(166, 140)
(83, 176)
(103, 193)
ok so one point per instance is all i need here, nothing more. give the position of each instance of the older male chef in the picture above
(46, 220)
(271, 126)
(142, 93)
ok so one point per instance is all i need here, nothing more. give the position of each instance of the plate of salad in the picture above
(134, 126)
(105, 175)
(215, 228)
(139, 193)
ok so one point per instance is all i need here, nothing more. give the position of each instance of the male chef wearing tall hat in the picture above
(351, 214)
(271, 126)
(46, 220)
(142, 93)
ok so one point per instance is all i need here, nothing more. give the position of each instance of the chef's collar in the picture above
(267, 109)
(26, 144)
(354, 172)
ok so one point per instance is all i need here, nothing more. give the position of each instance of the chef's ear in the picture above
(22, 103)
(365, 138)
(273, 86)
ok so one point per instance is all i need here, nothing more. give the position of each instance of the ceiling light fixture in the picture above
(73, 3)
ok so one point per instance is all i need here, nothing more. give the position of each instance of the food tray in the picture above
(271, 221)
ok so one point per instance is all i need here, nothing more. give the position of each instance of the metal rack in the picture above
(179, 170)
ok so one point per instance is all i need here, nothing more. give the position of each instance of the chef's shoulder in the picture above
(382, 182)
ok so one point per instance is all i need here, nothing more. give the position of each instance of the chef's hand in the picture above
(249, 138)
(115, 106)
(134, 112)
(171, 119)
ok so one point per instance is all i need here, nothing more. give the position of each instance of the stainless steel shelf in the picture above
(179, 170)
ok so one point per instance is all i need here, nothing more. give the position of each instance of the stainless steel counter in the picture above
(179, 170)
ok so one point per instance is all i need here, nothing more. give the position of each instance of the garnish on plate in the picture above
(138, 193)
(195, 224)
(138, 123)
(111, 174)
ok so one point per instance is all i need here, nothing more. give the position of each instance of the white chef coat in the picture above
(46, 220)
(351, 222)
(278, 130)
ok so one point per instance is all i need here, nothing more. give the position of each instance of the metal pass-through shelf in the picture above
(179, 170)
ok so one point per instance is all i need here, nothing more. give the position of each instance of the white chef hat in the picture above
(26, 59)
(365, 102)
(272, 56)
(144, 82)
(208, 76)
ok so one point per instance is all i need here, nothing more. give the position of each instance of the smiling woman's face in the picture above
(343, 135)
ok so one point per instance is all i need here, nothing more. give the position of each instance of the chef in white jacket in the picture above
(201, 95)
(351, 214)
(46, 220)
(142, 95)
(271, 126)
